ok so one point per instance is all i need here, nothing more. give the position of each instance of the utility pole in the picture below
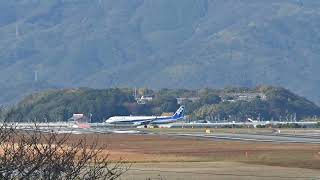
(35, 76)
(17, 31)
(16, 41)
(135, 93)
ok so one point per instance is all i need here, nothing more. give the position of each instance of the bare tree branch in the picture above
(37, 155)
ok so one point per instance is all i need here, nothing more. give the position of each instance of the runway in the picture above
(278, 138)
(306, 137)
(71, 130)
(256, 137)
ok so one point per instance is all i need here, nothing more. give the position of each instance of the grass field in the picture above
(152, 148)
(216, 170)
(152, 154)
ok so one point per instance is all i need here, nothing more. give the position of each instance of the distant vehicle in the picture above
(80, 121)
(145, 120)
(255, 123)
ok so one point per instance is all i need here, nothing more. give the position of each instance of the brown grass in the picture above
(151, 148)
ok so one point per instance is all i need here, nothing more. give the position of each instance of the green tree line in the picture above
(60, 105)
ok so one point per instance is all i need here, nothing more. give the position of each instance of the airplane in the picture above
(145, 120)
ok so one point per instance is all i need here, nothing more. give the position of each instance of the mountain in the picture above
(157, 44)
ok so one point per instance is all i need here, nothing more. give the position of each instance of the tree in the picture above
(37, 155)
(164, 103)
(210, 99)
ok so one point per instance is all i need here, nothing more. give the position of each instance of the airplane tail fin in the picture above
(179, 113)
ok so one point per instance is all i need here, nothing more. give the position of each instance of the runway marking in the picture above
(249, 139)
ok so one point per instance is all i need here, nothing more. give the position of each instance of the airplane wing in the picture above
(144, 122)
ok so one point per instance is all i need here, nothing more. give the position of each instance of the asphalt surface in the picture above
(280, 138)
(256, 137)
(65, 130)
(263, 137)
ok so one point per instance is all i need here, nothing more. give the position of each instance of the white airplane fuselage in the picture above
(139, 119)
(143, 120)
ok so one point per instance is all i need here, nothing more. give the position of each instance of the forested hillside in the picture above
(262, 102)
(158, 44)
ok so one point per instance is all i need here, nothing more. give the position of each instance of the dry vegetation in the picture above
(161, 155)
(151, 148)
(37, 155)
